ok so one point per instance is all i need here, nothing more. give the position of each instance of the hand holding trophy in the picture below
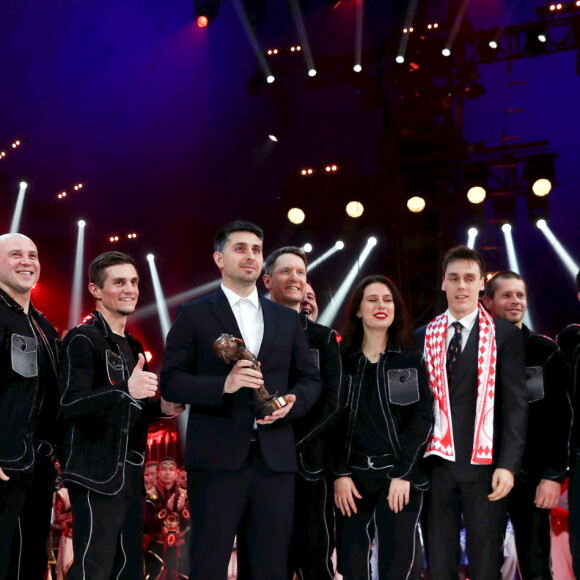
(231, 349)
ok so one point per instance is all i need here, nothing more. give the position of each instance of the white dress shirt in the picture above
(249, 316)
(467, 323)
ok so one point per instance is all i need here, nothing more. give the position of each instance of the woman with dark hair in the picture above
(382, 435)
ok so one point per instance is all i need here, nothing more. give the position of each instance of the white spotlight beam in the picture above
(471, 237)
(151, 309)
(336, 248)
(330, 312)
(160, 301)
(359, 17)
(409, 17)
(568, 261)
(456, 25)
(17, 215)
(513, 264)
(253, 41)
(76, 303)
(301, 30)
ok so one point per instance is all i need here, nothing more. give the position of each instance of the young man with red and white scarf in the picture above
(477, 375)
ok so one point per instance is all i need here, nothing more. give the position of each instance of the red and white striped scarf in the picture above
(441, 439)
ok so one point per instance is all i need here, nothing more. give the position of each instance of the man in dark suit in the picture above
(477, 375)
(313, 535)
(238, 465)
(545, 464)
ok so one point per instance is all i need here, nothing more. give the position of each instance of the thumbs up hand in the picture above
(142, 384)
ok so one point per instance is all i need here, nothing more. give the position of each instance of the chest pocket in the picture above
(115, 368)
(24, 351)
(403, 386)
(535, 383)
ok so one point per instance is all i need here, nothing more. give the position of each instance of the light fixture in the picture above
(354, 209)
(296, 215)
(416, 204)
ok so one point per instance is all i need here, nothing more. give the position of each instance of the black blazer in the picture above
(220, 425)
(511, 401)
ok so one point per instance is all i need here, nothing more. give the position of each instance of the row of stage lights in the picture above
(115, 239)
(411, 29)
(64, 194)
(354, 209)
(275, 51)
(310, 171)
(14, 145)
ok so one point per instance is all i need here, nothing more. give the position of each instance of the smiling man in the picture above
(538, 485)
(313, 534)
(105, 395)
(309, 305)
(477, 375)
(235, 463)
(28, 410)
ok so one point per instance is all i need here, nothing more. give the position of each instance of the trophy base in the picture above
(271, 406)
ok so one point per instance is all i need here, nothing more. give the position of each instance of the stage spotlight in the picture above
(148, 356)
(476, 194)
(270, 79)
(206, 11)
(357, 68)
(273, 138)
(339, 245)
(536, 39)
(296, 215)
(540, 174)
(307, 248)
(541, 223)
(312, 72)
(76, 304)
(354, 209)
(162, 309)
(327, 317)
(471, 236)
(17, 214)
(400, 59)
(446, 52)
(493, 44)
(513, 262)
(416, 204)
(542, 187)
(332, 250)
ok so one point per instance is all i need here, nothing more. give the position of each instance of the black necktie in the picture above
(454, 349)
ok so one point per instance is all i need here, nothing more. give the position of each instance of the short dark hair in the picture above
(271, 261)
(400, 331)
(463, 253)
(98, 266)
(223, 235)
(492, 284)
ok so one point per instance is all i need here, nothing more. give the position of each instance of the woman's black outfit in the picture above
(381, 437)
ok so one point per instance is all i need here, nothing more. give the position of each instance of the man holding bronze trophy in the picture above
(238, 463)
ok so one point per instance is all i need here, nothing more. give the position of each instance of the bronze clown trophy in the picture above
(231, 349)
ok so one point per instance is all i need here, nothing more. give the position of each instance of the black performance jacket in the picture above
(407, 408)
(549, 412)
(28, 385)
(96, 402)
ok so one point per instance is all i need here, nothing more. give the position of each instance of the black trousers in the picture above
(220, 500)
(484, 520)
(398, 534)
(532, 531)
(25, 506)
(108, 531)
(574, 506)
(313, 535)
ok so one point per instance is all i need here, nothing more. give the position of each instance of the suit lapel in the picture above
(222, 311)
(270, 326)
